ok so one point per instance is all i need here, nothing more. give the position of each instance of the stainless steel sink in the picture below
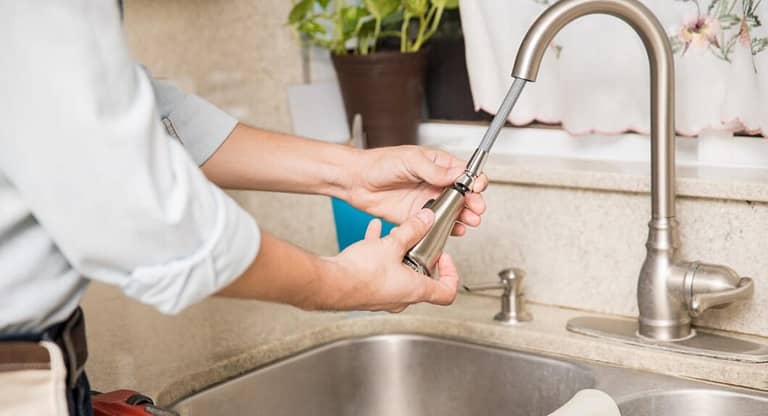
(699, 402)
(408, 375)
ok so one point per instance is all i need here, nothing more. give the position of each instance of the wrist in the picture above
(344, 172)
(323, 292)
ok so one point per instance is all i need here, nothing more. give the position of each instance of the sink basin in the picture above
(398, 375)
(407, 375)
(699, 402)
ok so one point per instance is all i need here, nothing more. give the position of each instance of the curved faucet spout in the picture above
(664, 315)
(659, 52)
(669, 290)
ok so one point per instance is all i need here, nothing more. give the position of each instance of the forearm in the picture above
(284, 273)
(258, 159)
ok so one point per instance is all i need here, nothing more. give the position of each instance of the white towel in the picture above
(589, 402)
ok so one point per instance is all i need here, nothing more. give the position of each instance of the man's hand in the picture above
(392, 183)
(369, 275)
(395, 182)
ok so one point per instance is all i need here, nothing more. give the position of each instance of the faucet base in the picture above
(702, 344)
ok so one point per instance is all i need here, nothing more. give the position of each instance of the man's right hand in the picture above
(369, 275)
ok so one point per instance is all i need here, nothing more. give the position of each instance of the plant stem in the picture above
(361, 49)
(376, 33)
(435, 24)
(431, 12)
(340, 47)
(419, 38)
(404, 32)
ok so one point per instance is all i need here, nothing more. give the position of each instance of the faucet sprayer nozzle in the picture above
(447, 207)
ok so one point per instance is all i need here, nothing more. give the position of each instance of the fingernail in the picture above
(426, 216)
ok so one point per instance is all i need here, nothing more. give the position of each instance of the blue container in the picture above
(351, 223)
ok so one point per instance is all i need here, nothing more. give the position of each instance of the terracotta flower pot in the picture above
(387, 89)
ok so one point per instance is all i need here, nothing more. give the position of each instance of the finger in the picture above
(480, 184)
(445, 159)
(443, 291)
(412, 230)
(430, 171)
(374, 229)
(459, 229)
(469, 218)
(476, 203)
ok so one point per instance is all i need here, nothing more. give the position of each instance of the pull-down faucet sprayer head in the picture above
(447, 207)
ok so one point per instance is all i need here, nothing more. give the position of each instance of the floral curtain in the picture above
(594, 77)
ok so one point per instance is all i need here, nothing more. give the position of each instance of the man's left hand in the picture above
(395, 182)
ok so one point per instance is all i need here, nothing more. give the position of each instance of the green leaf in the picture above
(451, 4)
(415, 7)
(367, 28)
(382, 8)
(323, 3)
(311, 28)
(300, 11)
(394, 20)
(351, 18)
(448, 4)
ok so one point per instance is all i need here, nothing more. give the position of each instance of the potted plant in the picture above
(377, 50)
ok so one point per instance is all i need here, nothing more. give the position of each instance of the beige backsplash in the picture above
(239, 54)
(584, 248)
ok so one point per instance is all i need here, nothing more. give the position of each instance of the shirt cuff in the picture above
(199, 125)
(231, 248)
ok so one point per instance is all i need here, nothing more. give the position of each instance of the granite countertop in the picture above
(170, 357)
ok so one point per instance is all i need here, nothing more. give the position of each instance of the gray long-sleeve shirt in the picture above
(91, 183)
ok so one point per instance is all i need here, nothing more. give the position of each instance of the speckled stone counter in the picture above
(172, 357)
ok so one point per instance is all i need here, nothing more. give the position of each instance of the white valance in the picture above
(595, 78)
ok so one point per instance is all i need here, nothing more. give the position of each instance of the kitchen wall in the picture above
(240, 55)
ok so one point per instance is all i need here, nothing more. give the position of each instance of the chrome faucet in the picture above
(670, 291)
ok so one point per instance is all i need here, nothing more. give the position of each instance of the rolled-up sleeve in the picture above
(199, 125)
(82, 141)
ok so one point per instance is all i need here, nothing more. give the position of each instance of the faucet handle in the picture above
(714, 286)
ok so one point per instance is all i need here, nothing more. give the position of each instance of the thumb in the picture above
(443, 291)
(373, 231)
(434, 174)
(413, 229)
